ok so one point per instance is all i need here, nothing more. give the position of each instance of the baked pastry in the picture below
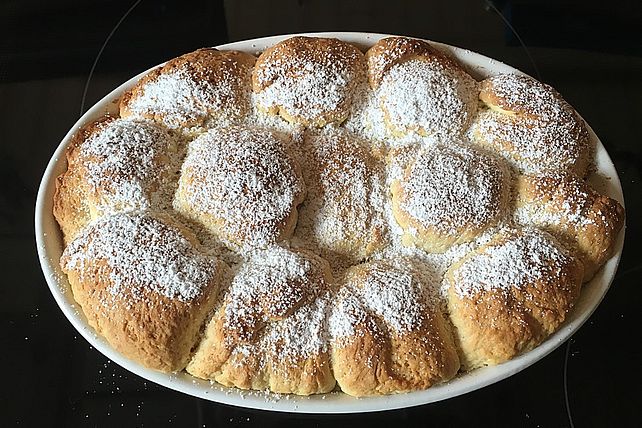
(531, 125)
(344, 180)
(376, 241)
(144, 284)
(420, 89)
(572, 210)
(269, 332)
(388, 332)
(114, 165)
(308, 80)
(193, 89)
(507, 296)
(448, 195)
(243, 184)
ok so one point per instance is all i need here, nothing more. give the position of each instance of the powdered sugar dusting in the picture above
(526, 96)
(243, 177)
(285, 291)
(140, 253)
(541, 131)
(532, 145)
(180, 97)
(240, 184)
(128, 162)
(513, 263)
(453, 187)
(301, 335)
(431, 265)
(392, 293)
(428, 98)
(557, 199)
(344, 186)
(316, 82)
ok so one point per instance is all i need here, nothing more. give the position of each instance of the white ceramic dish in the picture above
(49, 244)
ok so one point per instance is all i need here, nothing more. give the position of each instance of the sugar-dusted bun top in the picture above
(141, 253)
(308, 80)
(125, 161)
(243, 183)
(420, 89)
(271, 287)
(449, 194)
(391, 51)
(189, 89)
(523, 96)
(513, 261)
(145, 284)
(531, 125)
(344, 180)
(393, 293)
(508, 295)
(270, 331)
(572, 210)
(387, 331)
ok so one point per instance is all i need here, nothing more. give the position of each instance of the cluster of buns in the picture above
(320, 218)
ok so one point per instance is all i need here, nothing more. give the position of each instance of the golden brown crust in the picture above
(308, 80)
(571, 209)
(113, 165)
(495, 322)
(154, 330)
(379, 358)
(224, 77)
(524, 103)
(279, 335)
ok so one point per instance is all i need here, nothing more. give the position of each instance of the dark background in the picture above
(591, 51)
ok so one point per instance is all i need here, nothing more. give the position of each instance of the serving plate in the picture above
(49, 244)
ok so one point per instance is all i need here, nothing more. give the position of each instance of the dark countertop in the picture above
(590, 51)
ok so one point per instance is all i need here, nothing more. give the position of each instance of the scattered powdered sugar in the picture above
(140, 253)
(532, 145)
(257, 118)
(428, 97)
(316, 92)
(248, 178)
(432, 266)
(127, 163)
(533, 215)
(392, 293)
(268, 287)
(344, 184)
(525, 95)
(244, 177)
(284, 291)
(453, 187)
(180, 97)
(516, 262)
(285, 343)
(543, 133)
(542, 211)
(346, 313)
(301, 335)
(311, 84)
